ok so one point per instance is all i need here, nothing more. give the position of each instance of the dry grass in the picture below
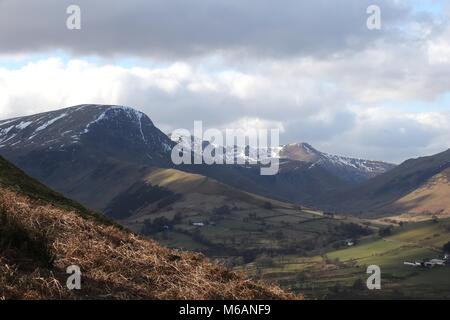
(43, 240)
(430, 199)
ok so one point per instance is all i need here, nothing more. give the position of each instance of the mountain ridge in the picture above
(352, 170)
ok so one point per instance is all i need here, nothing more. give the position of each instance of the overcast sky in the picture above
(311, 68)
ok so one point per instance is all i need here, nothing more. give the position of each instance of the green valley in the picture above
(340, 274)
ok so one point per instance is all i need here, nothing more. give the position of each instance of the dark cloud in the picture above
(181, 29)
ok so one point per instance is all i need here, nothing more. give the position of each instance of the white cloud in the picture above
(342, 104)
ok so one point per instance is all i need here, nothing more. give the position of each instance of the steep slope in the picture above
(133, 134)
(42, 233)
(413, 186)
(295, 182)
(431, 199)
(17, 181)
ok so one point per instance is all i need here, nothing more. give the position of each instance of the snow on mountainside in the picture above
(68, 127)
(232, 154)
(348, 169)
(358, 164)
(90, 153)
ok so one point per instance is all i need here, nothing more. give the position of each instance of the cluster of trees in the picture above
(385, 232)
(353, 230)
(160, 224)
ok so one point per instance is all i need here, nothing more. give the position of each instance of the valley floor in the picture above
(340, 274)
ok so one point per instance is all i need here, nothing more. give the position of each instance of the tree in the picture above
(155, 226)
(354, 230)
(385, 232)
(359, 284)
(446, 247)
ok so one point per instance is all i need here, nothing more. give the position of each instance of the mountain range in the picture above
(103, 156)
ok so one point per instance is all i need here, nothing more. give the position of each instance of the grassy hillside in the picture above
(342, 274)
(205, 215)
(41, 234)
(430, 199)
(403, 189)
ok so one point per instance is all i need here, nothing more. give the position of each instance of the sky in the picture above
(312, 69)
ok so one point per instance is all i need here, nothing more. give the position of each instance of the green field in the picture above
(252, 231)
(339, 274)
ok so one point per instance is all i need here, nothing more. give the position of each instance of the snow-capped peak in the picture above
(344, 167)
(69, 126)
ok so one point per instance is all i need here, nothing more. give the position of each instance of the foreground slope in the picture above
(42, 233)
